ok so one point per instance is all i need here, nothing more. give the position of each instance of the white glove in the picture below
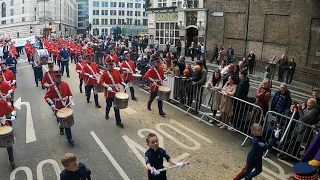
(128, 70)
(277, 133)
(181, 164)
(13, 118)
(154, 83)
(124, 69)
(138, 72)
(101, 72)
(46, 85)
(105, 85)
(154, 171)
(109, 89)
(71, 101)
(90, 76)
(152, 80)
(53, 106)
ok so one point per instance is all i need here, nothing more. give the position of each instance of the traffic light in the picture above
(90, 26)
(50, 26)
(31, 30)
(59, 27)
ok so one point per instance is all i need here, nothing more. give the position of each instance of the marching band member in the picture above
(37, 71)
(79, 50)
(128, 68)
(110, 80)
(48, 79)
(11, 63)
(73, 52)
(13, 49)
(8, 77)
(55, 53)
(6, 92)
(79, 66)
(155, 75)
(114, 57)
(28, 48)
(5, 108)
(58, 97)
(90, 79)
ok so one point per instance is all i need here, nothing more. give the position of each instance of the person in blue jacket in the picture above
(11, 63)
(254, 158)
(74, 170)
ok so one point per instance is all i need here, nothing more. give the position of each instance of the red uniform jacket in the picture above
(79, 67)
(52, 96)
(79, 50)
(115, 59)
(55, 50)
(13, 50)
(125, 64)
(89, 51)
(93, 71)
(73, 48)
(46, 78)
(8, 76)
(105, 79)
(5, 108)
(5, 87)
(152, 73)
(27, 48)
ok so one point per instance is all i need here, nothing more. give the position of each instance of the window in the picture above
(104, 4)
(22, 1)
(3, 10)
(121, 13)
(113, 4)
(129, 5)
(104, 32)
(113, 21)
(23, 19)
(96, 4)
(95, 21)
(22, 10)
(129, 21)
(122, 4)
(137, 5)
(137, 22)
(11, 21)
(11, 2)
(120, 21)
(4, 22)
(82, 18)
(83, 13)
(162, 3)
(113, 12)
(104, 12)
(104, 21)
(167, 32)
(95, 12)
(145, 22)
(137, 13)
(82, 6)
(11, 12)
(129, 13)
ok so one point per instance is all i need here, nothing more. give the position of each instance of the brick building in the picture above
(275, 27)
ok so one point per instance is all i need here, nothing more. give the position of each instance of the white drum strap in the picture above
(158, 77)
(59, 95)
(112, 80)
(50, 78)
(93, 73)
(129, 68)
(4, 78)
(80, 65)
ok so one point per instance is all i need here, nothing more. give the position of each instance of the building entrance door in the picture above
(192, 36)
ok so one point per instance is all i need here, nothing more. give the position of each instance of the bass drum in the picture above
(41, 56)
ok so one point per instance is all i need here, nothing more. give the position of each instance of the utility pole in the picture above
(247, 29)
(44, 18)
(60, 20)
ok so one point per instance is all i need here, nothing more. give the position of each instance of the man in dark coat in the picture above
(252, 59)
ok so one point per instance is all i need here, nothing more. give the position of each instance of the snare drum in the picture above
(136, 78)
(164, 92)
(65, 117)
(6, 137)
(121, 100)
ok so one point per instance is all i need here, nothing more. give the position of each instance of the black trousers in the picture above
(89, 88)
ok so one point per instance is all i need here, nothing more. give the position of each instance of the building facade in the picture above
(17, 16)
(174, 20)
(267, 28)
(82, 16)
(105, 14)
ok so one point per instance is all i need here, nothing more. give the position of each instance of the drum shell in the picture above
(163, 95)
(121, 103)
(41, 55)
(136, 78)
(6, 140)
(66, 122)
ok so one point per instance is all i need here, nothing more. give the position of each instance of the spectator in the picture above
(291, 70)
(245, 64)
(273, 66)
(215, 53)
(243, 86)
(192, 50)
(283, 64)
(230, 72)
(281, 99)
(198, 51)
(236, 71)
(221, 55)
(216, 85)
(251, 58)
(230, 53)
(316, 95)
(229, 89)
(263, 95)
(223, 68)
(197, 84)
(176, 70)
(268, 75)
(181, 64)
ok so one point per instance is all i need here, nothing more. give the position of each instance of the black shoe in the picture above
(80, 91)
(61, 132)
(88, 101)
(98, 106)
(149, 108)
(135, 99)
(37, 85)
(120, 125)
(106, 116)
(162, 114)
(71, 141)
(68, 76)
(12, 164)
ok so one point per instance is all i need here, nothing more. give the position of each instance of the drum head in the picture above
(137, 75)
(122, 95)
(64, 112)
(164, 88)
(5, 130)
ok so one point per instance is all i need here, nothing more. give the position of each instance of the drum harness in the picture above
(128, 73)
(112, 80)
(158, 77)
(4, 78)
(60, 97)
(94, 74)
(50, 77)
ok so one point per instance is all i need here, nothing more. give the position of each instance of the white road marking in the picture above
(267, 176)
(110, 157)
(285, 162)
(130, 111)
(23, 168)
(23, 67)
(30, 132)
(55, 167)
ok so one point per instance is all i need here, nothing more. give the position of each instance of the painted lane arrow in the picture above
(30, 133)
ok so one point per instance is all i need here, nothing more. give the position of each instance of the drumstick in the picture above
(167, 168)
(69, 103)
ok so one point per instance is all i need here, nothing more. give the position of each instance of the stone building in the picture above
(275, 27)
(18, 15)
(174, 20)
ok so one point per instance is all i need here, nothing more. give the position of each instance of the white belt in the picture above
(58, 99)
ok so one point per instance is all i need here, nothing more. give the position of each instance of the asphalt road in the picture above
(113, 153)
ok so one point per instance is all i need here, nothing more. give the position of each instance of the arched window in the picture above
(3, 9)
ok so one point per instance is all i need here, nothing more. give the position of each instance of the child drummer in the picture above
(154, 159)
(59, 96)
(6, 108)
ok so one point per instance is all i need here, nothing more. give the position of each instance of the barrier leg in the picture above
(245, 140)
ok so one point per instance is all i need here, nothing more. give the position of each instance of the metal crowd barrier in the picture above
(295, 138)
